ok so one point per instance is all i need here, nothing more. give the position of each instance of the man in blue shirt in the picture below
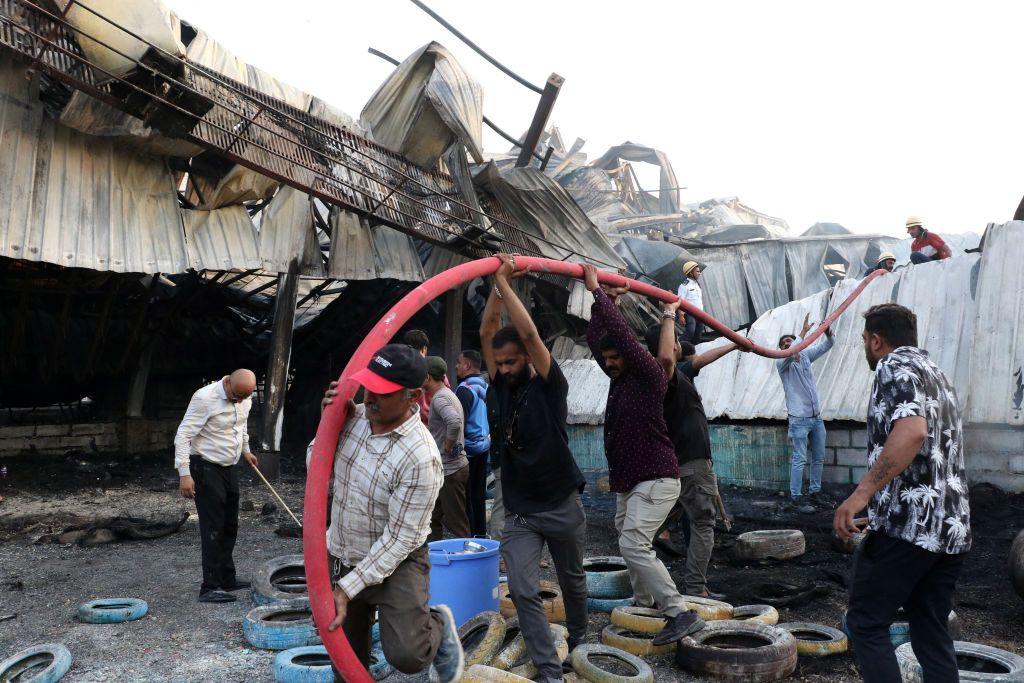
(804, 409)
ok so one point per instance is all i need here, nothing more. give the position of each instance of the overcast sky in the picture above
(856, 113)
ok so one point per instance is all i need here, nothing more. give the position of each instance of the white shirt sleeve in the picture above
(193, 422)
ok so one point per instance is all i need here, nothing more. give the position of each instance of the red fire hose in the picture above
(314, 532)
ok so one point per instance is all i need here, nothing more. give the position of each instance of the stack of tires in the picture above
(495, 649)
(608, 584)
(280, 578)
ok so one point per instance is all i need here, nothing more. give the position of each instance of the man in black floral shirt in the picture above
(916, 494)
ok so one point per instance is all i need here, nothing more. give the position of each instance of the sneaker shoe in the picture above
(800, 504)
(238, 585)
(449, 661)
(216, 596)
(679, 627)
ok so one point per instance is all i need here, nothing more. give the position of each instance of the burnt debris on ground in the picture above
(42, 585)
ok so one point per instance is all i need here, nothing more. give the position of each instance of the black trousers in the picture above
(217, 505)
(476, 490)
(889, 573)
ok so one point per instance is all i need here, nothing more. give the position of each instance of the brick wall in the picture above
(135, 436)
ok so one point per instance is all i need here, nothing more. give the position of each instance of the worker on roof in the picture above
(690, 291)
(886, 261)
(927, 246)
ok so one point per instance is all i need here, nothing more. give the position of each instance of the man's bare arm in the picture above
(490, 323)
(667, 339)
(708, 357)
(905, 440)
(520, 317)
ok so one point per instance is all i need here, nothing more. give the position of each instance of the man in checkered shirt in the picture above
(387, 474)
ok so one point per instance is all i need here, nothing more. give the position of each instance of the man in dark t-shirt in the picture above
(540, 482)
(688, 430)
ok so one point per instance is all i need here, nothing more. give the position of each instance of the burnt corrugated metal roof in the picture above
(222, 239)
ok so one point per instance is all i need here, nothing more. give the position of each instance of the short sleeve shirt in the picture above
(530, 444)
(926, 504)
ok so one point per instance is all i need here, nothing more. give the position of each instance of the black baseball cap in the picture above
(394, 367)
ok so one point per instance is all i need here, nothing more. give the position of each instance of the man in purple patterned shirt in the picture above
(642, 466)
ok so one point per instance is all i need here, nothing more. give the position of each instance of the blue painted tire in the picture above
(112, 610)
(375, 632)
(284, 625)
(53, 656)
(607, 604)
(379, 667)
(310, 664)
(607, 577)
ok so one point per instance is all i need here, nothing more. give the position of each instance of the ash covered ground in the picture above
(183, 640)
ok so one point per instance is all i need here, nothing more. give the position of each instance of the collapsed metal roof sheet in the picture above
(957, 317)
(359, 252)
(223, 239)
(545, 211)
(428, 102)
(78, 200)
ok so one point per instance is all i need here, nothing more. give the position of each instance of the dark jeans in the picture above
(918, 257)
(889, 573)
(409, 632)
(217, 505)
(693, 330)
(476, 492)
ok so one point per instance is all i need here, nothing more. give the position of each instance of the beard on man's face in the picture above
(519, 377)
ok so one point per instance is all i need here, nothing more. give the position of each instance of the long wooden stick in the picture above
(279, 500)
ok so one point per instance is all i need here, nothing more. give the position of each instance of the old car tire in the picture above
(48, 664)
(607, 578)
(279, 578)
(512, 651)
(739, 651)
(770, 544)
(764, 614)
(309, 664)
(998, 666)
(489, 486)
(493, 627)
(551, 597)
(639, 643)
(639, 619)
(708, 609)
(112, 610)
(478, 673)
(816, 640)
(528, 669)
(588, 669)
(1017, 563)
(607, 604)
(282, 625)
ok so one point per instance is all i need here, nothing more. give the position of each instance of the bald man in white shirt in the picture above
(211, 440)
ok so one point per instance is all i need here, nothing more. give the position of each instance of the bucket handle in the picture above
(440, 558)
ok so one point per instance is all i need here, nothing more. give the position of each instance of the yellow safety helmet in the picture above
(688, 266)
(885, 255)
(915, 221)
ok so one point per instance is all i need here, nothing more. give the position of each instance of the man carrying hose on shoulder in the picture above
(387, 475)
(540, 482)
(642, 466)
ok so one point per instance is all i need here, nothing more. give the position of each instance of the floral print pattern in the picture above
(927, 504)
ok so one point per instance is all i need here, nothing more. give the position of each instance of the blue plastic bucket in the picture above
(467, 583)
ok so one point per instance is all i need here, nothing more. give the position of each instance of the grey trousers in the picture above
(698, 488)
(496, 526)
(639, 513)
(563, 530)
